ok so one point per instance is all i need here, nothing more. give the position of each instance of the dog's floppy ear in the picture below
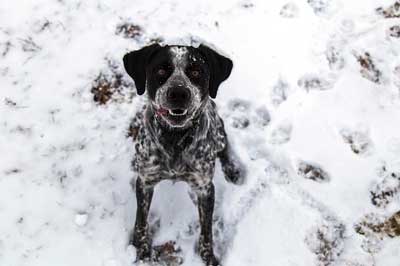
(220, 68)
(135, 65)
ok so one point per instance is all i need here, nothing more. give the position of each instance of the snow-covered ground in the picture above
(312, 106)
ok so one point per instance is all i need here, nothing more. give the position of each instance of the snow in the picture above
(81, 219)
(297, 93)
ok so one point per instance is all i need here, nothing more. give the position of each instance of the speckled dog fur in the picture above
(182, 146)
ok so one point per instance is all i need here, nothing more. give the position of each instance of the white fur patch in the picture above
(178, 53)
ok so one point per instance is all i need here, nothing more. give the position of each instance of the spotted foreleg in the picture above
(141, 239)
(234, 170)
(205, 200)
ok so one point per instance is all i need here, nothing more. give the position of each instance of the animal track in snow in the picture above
(392, 11)
(311, 82)
(243, 114)
(368, 67)
(375, 228)
(280, 92)
(320, 7)
(289, 10)
(359, 140)
(281, 134)
(313, 172)
(387, 188)
(326, 241)
(334, 55)
(394, 31)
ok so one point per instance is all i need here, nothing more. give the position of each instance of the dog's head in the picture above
(178, 79)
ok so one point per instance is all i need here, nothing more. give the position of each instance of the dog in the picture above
(179, 135)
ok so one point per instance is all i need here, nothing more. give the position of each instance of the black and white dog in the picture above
(179, 134)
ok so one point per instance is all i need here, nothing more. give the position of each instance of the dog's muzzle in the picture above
(175, 109)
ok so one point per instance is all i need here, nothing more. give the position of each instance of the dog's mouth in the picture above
(176, 117)
(177, 112)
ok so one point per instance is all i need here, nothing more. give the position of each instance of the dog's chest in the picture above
(189, 156)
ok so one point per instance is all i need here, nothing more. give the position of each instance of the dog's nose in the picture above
(178, 94)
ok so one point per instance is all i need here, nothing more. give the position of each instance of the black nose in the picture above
(178, 94)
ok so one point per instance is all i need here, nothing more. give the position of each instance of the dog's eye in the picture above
(161, 72)
(195, 73)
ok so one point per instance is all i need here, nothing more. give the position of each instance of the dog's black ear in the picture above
(220, 68)
(135, 65)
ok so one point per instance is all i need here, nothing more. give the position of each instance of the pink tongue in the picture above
(162, 111)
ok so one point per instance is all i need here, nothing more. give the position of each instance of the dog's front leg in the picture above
(205, 201)
(231, 165)
(234, 170)
(141, 239)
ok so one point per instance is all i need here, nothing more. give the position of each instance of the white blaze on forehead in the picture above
(179, 54)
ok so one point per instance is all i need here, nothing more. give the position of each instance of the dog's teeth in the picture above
(172, 113)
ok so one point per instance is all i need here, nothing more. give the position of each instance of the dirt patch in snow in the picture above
(368, 68)
(326, 241)
(129, 30)
(394, 31)
(313, 172)
(112, 84)
(168, 254)
(386, 189)
(392, 11)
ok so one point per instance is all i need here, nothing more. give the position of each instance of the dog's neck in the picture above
(173, 140)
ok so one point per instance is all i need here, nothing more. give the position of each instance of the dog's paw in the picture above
(234, 171)
(143, 255)
(212, 261)
(206, 252)
(209, 258)
(143, 263)
(143, 248)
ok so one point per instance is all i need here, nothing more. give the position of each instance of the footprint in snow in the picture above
(312, 171)
(394, 31)
(310, 82)
(358, 139)
(281, 134)
(289, 10)
(280, 92)
(392, 11)
(242, 114)
(376, 228)
(320, 7)
(326, 241)
(387, 189)
(368, 66)
(334, 55)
